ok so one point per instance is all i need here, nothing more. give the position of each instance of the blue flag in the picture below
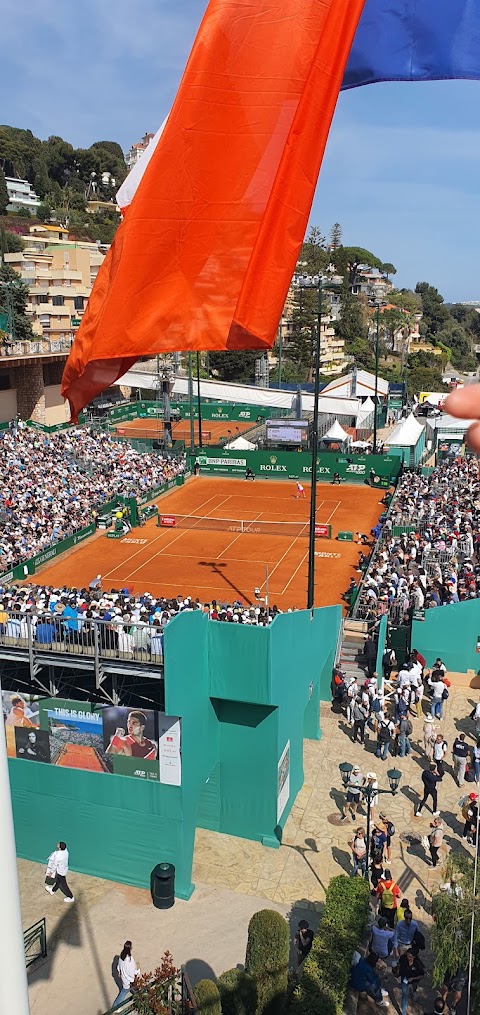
(415, 40)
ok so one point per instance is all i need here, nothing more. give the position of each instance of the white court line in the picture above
(183, 532)
(333, 512)
(151, 543)
(293, 575)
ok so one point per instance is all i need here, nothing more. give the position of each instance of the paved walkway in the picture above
(234, 878)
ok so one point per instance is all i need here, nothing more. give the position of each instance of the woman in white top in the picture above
(127, 971)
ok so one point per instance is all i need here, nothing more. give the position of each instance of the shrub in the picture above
(238, 993)
(326, 970)
(207, 997)
(266, 961)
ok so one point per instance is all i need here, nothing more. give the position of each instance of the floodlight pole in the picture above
(190, 402)
(313, 488)
(376, 382)
(199, 402)
(13, 984)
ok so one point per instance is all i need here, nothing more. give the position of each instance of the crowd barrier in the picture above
(99, 639)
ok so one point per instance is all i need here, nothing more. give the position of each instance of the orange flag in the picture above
(209, 243)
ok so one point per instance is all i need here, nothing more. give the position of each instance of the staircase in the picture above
(352, 659)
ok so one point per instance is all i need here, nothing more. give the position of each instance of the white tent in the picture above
(356, 384)
(406, 433)
(241, 444)
(336, 433)
(366, 410)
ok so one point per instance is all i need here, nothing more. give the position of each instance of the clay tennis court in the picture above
(213, 430)
(225, 563)
(80, 756)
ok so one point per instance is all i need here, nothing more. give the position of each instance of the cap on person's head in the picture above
(472, 796)
(356, 768)
(371, 775)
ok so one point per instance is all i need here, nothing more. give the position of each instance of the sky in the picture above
(402, 168)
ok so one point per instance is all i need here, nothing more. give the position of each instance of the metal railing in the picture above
(119, 639)
(35, 942)
(175, 996)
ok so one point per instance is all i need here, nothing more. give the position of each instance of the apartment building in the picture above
(21, 195)
(137, 150)
(60, 274)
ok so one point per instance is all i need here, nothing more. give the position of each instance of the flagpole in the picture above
(190, 401)
(13, 982)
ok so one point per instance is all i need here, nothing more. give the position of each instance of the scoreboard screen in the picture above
(287, 431)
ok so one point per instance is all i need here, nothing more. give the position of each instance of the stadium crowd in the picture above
(127, 623)
(52, 484)
(435, 563)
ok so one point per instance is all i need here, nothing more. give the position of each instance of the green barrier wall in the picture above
(297, 465)
(451, 632)
(382, 641)
(246, 698)
(226, 411)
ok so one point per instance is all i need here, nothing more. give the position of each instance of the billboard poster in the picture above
(19, 712)
(130, 741)
(170, 750)
(283, 791)
(110, 739)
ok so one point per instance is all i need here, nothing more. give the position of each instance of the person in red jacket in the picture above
(388, 894)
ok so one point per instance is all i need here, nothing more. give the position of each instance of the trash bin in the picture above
(162, 885)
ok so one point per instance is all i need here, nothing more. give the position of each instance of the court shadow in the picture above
(217, 570)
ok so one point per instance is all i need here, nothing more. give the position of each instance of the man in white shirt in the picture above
(438, 687)
(58, 863)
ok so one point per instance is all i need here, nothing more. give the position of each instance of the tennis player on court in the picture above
(300, 491)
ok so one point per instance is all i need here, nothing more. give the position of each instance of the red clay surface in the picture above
(80, 756)
(212, 429)
(226, 565)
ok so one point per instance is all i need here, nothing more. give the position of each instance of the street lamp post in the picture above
(369, 792)
(199, 403)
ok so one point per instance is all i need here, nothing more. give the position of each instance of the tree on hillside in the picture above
(406, 299)
(348, 260)
(234, 366)
(423, 374)
(435, 313)
(10, 243)
(313, 257)
(18, 294)
(3, 193)
(388, 269)
(335, 235)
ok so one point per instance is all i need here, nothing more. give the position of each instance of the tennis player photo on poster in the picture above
(130, 741)
(19, 712)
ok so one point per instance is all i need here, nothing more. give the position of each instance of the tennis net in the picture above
(235, 525)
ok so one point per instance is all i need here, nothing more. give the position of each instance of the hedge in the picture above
(326, 970)
(266, 960)
(238, 993)
(207, 998)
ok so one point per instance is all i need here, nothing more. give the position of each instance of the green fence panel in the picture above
(297, 465)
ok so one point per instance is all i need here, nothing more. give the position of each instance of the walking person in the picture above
(360, 716)
(389, 831)
(430, 778)
(354, 789)
(58, 862)
(411, 970)
(385, 731)
(352, 694)
(127, 971)
(371, 785)
(460, 755)
(388, 893)
(435, 840)
(370, 653)
(439, 693)
(440, 748)
(405, 932)
(475, 715)
(429, 736)
(476, 760)
(359, 852)
(454, 984)
(404, 731)
(381, 941)
(389, 660)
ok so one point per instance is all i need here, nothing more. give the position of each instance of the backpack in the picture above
(408, 728)
(383, 733)
(390, 828)
(419, 940)
(444, 694)
(387, 899)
